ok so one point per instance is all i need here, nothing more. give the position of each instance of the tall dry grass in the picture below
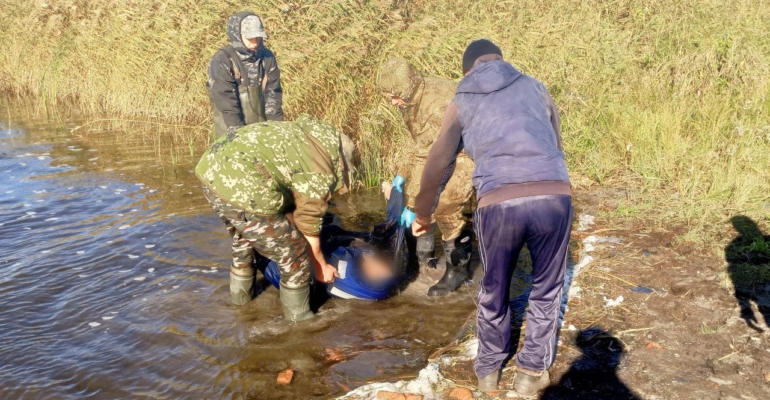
(670, 96)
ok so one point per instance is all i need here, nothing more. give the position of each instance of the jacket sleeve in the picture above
(553, 113)
(223, 91)
(309, 213)
(271, 87)
(440, 164)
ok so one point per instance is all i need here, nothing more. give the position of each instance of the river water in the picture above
(114, 284)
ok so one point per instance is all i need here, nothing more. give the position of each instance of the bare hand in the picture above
(420, 225)
(327, 273)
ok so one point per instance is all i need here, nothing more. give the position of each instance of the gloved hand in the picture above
(407, 217)
(398, 181)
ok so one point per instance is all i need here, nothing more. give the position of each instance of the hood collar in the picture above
(488, 76)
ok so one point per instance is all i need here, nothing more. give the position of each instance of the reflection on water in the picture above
(114, 283)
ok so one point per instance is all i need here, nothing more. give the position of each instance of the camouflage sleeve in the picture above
(271, 87)
(223, 91)
(309, 213)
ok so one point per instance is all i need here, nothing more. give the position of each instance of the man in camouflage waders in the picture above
(422, 102)
(244, 80)
(258, 178)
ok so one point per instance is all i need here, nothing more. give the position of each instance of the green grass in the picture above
(672, 97)
(705, 330)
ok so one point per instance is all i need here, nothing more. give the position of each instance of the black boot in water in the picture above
(426, 245)
(457, 253)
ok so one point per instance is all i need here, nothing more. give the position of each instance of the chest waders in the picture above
(250, 96)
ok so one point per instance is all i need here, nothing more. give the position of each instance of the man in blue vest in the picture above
(508, 124)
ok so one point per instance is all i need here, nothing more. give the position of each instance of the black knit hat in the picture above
(476, 49)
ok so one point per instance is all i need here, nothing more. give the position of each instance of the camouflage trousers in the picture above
(455, 197)
(271, 236)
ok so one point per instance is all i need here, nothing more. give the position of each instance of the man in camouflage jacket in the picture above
(422, 102)
(244, 79)
(270, 183)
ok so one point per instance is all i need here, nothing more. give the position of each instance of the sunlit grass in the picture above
(669, 96)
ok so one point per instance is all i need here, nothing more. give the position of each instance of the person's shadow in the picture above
(593, 375)
(748, 256)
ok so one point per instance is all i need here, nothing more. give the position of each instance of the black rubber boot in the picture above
(426, 248)
(457, 253)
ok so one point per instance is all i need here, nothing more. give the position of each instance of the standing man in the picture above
(422, 102)
(270, 183)
(508, 124)
(244, 80)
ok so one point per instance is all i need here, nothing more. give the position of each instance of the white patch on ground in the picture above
(93, 324)
(613, 303)
(585, 221)
(149, 246)
(430, 383)
(132, 256)
(52, 219)
(150, 270)
(140, 278)
(81, 252)
(124, 227)
(108, 318)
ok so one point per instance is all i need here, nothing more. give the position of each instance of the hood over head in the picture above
(488, 77)
(398, 77)
(236, 27)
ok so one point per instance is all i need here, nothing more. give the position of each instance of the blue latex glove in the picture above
(397, 182)
(407, 217)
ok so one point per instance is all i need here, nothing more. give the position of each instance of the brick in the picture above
(413, 397)
(461, 393)
(385, 395)
(284, 378)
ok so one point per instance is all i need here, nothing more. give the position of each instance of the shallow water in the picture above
(114, 284)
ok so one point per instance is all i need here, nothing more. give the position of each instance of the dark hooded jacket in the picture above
(244, 86)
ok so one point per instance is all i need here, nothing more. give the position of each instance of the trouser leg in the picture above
(500, 229)
(550, 221)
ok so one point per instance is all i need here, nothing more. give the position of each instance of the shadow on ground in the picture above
(748, 256)
(594, 374)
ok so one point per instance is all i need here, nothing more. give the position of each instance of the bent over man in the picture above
(508, 124)
(422, 102)
(244, 80)
(256, 175)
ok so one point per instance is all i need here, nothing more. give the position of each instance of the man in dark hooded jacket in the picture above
(244, 79)
(508, 124)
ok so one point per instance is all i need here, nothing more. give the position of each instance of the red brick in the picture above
(385, 395)
(284, 378)
(461, 393)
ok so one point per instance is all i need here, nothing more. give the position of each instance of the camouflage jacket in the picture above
(271, 167)
(426, 111)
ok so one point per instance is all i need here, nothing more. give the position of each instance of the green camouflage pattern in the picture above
(270, 235)
(428, 100)
(268, 167)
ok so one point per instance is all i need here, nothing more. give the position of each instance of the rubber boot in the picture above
(426, 248)
(490, 383)
(529, 383)
(457, 253)
(296, 303)
(241, 285)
